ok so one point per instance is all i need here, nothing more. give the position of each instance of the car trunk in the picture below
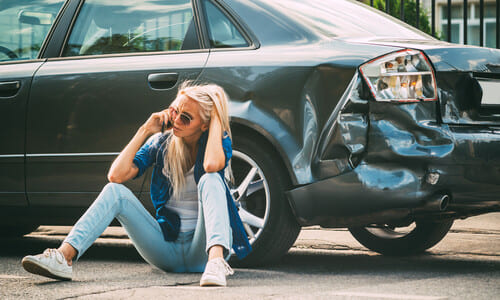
(468, 79)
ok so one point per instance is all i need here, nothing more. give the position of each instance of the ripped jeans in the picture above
(187, 254)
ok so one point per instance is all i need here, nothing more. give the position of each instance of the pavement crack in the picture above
(476, 231)
(184, 283)
(131, 289)
(468, 253)
(318, 244)
(107, 291)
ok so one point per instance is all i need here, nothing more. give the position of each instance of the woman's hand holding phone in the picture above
(159, 121)
(170, 114)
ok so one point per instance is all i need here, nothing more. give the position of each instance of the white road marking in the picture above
(389, 296)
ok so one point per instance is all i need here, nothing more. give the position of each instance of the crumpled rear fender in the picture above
(372, 157)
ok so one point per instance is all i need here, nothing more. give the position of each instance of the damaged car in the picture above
(342, 116)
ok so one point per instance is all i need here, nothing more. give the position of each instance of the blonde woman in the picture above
(196, 222)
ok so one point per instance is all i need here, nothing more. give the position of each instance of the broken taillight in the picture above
(402, 76)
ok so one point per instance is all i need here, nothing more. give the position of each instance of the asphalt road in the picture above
(323, 264)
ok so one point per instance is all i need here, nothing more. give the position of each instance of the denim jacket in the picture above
(152, 152)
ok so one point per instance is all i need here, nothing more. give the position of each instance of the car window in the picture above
(24, 24)
(222, 32)
(109, 26)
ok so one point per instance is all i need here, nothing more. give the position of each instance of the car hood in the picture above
(446, 56)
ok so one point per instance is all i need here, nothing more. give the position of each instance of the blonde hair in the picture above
(177, 158)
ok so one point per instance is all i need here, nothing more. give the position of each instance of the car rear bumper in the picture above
(374, 193)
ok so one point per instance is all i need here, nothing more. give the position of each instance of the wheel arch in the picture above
(281, 228)
(241, 127)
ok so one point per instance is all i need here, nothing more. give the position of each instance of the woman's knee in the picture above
(117, 190)
(210, 179)
(211, 185)
(113, 186)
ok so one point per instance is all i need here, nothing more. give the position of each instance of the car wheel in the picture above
(390, 240)
(258, 188)
(16, 230)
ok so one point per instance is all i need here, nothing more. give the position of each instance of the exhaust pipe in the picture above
(436, 203)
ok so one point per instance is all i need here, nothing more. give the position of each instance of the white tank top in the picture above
(186, 206)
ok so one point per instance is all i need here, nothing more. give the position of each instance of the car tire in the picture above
(387, 240)
(8, 231)
(275, 229)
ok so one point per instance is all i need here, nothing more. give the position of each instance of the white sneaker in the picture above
(51, 263)
(215, 273)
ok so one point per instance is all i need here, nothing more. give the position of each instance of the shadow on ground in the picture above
(19, 247)
(297, 261)
(363, 263)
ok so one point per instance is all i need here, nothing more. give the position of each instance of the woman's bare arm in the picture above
(215, 159)
(123, 167)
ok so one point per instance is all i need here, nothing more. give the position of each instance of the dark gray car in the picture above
(341, 115)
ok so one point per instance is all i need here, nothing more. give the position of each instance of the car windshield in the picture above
(341, 18)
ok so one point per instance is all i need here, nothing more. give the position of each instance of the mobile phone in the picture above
(167, 127)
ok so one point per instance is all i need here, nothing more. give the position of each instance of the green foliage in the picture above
(410, 13)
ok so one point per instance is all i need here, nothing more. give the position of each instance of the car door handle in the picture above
(9, 88)
(162, 81)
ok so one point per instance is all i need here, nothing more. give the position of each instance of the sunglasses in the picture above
(184, 117)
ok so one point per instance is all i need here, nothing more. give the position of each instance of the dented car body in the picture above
(424, 158)
(341, 117)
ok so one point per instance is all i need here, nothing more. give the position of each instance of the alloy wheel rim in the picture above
(250, 191)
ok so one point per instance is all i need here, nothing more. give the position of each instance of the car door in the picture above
(120, 62)
(24, 26)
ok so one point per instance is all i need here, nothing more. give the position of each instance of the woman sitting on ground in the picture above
(197, 222)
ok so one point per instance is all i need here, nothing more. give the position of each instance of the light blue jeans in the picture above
(187, 254)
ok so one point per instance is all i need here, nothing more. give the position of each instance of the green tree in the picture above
(410, 13)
